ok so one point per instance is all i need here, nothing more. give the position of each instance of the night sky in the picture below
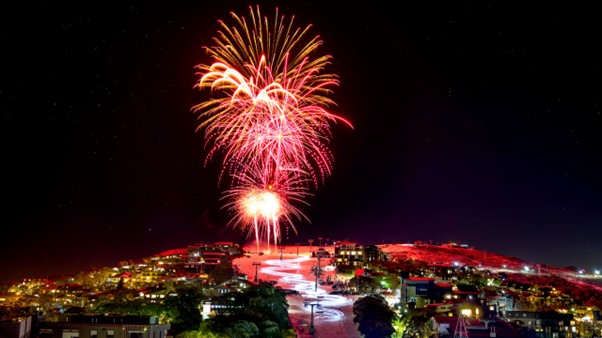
(475, 121)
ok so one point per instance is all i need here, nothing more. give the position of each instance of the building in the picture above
(445, 271)
(104, 326)
(503, 303)
(169, 257)
(232, 249)
(16, 328)
(546, 324)
(154, 294)
(446, 308)
(373, 254)
(422, 291)
(200, 255)
(349, 253)
(446, 326)
(356, 255)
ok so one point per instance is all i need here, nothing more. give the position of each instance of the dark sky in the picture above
(475, 121)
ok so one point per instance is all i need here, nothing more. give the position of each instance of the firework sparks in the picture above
(268, 117)
(262, 196)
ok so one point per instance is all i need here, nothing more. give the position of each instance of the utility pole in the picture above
(281, 248)
(310, 241)
(318, 272)
(256, 264)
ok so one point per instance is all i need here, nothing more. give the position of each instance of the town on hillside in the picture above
(225, 290)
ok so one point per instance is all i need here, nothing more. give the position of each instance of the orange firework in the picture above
(268, 114)
(260, 199)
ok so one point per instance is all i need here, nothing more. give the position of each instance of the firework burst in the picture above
(268, 117)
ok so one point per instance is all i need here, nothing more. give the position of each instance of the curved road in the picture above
(335, 317)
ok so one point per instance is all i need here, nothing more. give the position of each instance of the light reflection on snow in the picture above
(297, 281)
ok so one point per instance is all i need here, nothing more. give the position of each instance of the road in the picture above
(335, 316)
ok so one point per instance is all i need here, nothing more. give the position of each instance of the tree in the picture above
(364, 284)
(374, 316)
(269, 329)
(414, 323)
(243, 329)
(269, 301)
(186, 309)
(262, 305)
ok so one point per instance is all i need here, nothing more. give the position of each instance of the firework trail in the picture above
(268, 118)
(261, 196)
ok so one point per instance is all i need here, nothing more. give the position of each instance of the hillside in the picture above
(445, 254)
(581, 285)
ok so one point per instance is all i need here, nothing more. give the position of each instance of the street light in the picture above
(310, 241)
(313, 304)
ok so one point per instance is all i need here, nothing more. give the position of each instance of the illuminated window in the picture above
(93, 333)
(68, 333)
(110, 333)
